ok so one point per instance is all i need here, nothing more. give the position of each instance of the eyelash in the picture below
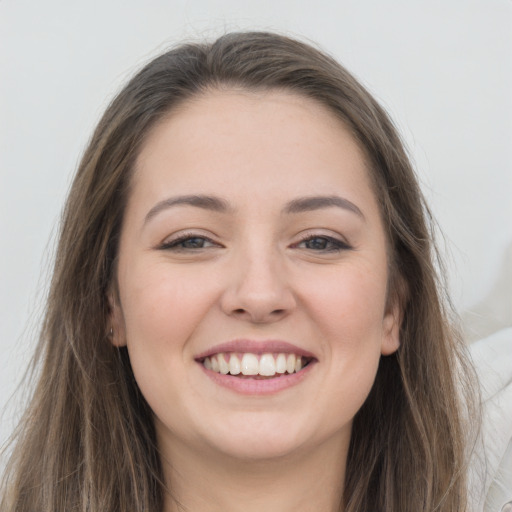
(175, 243)
(336, 245)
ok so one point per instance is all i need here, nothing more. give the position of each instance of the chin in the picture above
(260, 450)
(262, 438)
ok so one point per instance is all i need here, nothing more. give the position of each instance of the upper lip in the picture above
(255, 347)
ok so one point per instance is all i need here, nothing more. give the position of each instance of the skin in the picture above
(248, 273)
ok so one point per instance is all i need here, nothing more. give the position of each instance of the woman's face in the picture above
(252, 243)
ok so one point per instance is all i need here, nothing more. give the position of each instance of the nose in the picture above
(259, 290)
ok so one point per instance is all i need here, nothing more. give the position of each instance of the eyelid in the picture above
(340, 243)
(173, 241)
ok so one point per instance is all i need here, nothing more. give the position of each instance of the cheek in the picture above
(162, 310)
(349, 311)
(157, 300)
(349, 306)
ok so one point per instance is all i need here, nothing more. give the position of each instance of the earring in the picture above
(111, 333)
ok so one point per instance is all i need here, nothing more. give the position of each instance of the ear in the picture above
(391, 330)
(116, 325)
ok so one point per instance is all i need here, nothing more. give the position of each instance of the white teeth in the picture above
(250, 365)
(223, 364)
(266, 365)
(290, 363)
(281, 363)
(234, 365)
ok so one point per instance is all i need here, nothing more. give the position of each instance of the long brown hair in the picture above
(87, 440)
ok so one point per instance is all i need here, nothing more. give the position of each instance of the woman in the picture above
(245, 313)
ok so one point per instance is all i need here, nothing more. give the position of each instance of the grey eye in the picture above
(317, 244)
(193, 243)
(188, 242)
(323, 243)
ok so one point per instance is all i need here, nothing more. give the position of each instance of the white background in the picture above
(443, 68)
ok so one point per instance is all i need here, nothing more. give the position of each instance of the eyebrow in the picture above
(216, 204)
(205, 202)
(311, 203)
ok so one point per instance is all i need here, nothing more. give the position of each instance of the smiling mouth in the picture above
(255, 366)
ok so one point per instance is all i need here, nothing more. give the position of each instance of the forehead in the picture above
(253, 144)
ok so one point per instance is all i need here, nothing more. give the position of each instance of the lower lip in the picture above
(247, 386)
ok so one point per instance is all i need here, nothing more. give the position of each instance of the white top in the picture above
(492, 464)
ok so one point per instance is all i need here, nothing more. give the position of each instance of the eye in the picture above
(188, 242)
(323, 244)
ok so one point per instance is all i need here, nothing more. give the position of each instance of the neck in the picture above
(301, 482)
